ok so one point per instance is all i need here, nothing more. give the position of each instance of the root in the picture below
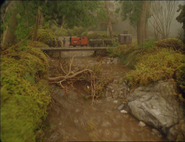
(70, 74)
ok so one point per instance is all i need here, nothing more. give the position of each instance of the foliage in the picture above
(181, 18)
(24, 94)
(26, 11)
(73, 13)
(147, 44)
(59, 31)
(76, 31)
(180, 77)
(36, 43)
(158, 64)
(131, 10)
(170, 43)
(44, 35)
(100, 35)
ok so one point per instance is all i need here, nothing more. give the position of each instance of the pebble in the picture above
(141, 124)
(116, 81)
(121, 107)
(108, 99)
(156, 132)
(115, 101)
(123, 111)
(121, 92)
(112, 91)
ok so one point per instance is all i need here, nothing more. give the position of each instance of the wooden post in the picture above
(95, 52)
(59, 57)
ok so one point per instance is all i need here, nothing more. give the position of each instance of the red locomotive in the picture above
(78, 41)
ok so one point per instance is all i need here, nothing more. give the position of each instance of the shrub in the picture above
(153, 66)
(24, 95)
(180, 76)
(44, 35)
(173, 43)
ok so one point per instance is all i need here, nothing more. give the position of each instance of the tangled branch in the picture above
(70, 74)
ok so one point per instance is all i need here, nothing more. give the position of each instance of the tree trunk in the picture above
(109, 21)
(8, 34)
(41, 20)
(146, 30)
(141, 25)
(108, 30)
(37, 24)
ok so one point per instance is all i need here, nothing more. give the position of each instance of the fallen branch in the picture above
(67, 76)
(128, 63)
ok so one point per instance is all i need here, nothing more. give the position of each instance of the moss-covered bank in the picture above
(24, 94)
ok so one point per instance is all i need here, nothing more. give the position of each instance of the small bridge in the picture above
(73, 48)
(60, 49)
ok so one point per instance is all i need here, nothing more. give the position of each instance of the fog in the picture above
(121, 26)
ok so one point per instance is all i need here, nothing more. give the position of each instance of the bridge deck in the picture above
(72, 48)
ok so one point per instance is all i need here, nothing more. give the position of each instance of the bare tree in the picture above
(8, 36)
(141, 24)
(163, 13)
(109, 20)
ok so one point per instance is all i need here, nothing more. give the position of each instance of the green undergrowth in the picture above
(157, 65)
(36, 43)
(152, 61)
(44, 35)
(24, 94)
(173, 43)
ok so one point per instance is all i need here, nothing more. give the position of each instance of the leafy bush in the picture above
(173, 43)
(147, 44)
(44, 35)
(36, 43)
(152, 66)
(24, 95)
(180, 76)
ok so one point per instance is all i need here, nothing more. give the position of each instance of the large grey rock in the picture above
(156, 106)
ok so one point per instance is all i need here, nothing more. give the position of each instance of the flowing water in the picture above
(72, 118)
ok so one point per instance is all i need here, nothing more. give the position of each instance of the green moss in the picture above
(152, 66)
(24, 95)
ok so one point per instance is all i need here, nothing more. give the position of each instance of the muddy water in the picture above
(72, 118)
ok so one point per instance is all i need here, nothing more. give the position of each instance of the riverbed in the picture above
(73, 118)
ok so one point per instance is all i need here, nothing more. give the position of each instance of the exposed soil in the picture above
(74, 118)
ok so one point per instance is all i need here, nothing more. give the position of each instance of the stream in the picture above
(75, 119)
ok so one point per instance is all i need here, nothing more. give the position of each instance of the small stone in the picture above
(121, 107)
(108, 99)
(115, 101)
(156, 132)
(116, 81)
(77, 110)
(123, 111)
(121, 92)
(112, 91)
(124, 84)
(141, 124)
